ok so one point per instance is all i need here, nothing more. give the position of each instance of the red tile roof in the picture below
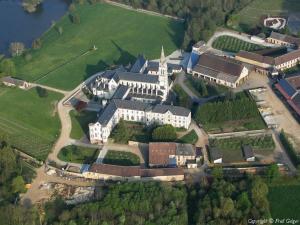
(159, 152)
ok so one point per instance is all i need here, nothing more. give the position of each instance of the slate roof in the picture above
(121, 91)
(128, 76)
(287, 87)
(185, 149)
(175, 110)
(138, 65)
(13, 81)
(215, 153)
(152, 66)
(114, 104)
(247, 151)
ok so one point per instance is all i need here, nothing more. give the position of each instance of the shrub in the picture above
(164, 133)
(37, 44)
(75, 18)
(42, 92)
(289, 148)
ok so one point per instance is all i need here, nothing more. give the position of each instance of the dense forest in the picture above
(214, 201)
(201, 17)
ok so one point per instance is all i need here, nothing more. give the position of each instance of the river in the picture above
(18, 25)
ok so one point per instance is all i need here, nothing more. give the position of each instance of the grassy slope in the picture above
(285, 201)
(250, 15)
(25, 115)
(80, 122)
(118, 34)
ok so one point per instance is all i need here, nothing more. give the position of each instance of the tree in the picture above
(75, 18)
(272, 172)
(42, 92)
(18, 185)
(164, 133)
(120, 134)
(227, 206)
(259, 190)
(217, 172)
(72, 8)
(16, 48)
(37, 44)
(7, 68)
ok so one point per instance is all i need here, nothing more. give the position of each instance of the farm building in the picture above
(215, 155)
(220, 70)
(284, 40)
(13, 82)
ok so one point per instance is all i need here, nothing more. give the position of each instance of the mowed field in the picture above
(118, 34)
(250, 16)
(29, 122)
(285, 201)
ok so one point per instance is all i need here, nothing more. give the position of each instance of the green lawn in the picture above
(80, 123)
(285, 201)
(232, 44)
(249, 17)
(76, 154)
(121, 158)
(119, 35)
(231, 148)
(189, 138)
(30, 123)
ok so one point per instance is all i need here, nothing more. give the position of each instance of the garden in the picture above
(121, 158)
(76, 154)
(232, 44)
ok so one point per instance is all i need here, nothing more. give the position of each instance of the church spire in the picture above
(162, 56)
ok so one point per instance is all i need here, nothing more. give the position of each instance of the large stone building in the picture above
(284, 40)
(267, 64)
(170, 154)
(146, 81)
(220, 70)
(139, 112)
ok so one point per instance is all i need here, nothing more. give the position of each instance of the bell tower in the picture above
(163, 73)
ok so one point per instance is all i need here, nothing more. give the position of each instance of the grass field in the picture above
(231, 148)
(249, 17)
(121, 158)
(29, 122)
(285, 201)
(232, 44)
(77, 154)
(118, 34)
(80, 123)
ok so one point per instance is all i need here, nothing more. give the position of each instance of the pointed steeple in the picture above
(162, 56)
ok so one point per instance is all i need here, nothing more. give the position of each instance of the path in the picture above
(124, 6)
(241, 36)
(49, 88)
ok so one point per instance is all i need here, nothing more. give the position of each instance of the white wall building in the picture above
(139, 112)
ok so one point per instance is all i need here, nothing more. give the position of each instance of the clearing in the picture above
(119, 35)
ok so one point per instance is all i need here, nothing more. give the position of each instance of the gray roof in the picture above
(114, 104)
(152, 66)
(185, 149)
(135, 77)
(175, 110)
(215, 153)
(247, 151)
(285, 38)
(121, 92)
(13, 81)
(139, 63)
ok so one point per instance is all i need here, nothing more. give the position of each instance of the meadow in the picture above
(250, 16)
(285, 201)
(76, 154)
(28, 122)
(118, 35)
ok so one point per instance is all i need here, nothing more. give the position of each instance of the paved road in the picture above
(50, 88)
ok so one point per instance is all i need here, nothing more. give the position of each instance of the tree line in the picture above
(201, 17)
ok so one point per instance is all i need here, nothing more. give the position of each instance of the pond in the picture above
(18, 25)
